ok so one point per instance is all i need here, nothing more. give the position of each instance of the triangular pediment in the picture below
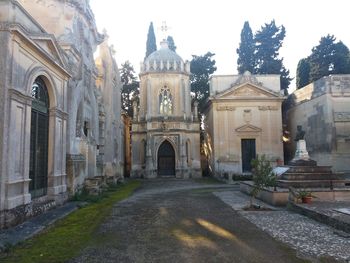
(248, 128)
(50, 47)
(247, 90)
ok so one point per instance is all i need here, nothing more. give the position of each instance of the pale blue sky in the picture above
(215, 26)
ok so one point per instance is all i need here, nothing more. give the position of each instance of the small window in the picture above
(86, 128)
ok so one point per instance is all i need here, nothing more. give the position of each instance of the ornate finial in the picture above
(247, 77)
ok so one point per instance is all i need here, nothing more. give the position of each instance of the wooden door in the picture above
(248, 153)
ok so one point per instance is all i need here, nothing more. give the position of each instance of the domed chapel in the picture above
(165, 129)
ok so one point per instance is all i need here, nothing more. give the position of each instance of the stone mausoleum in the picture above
(59, 105)
(322, 108)
(243, 119)
(165, 129)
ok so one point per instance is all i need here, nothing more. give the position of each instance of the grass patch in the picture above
(69, 236)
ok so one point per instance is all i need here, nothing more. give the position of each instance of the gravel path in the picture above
(181, 221)
(307, 236)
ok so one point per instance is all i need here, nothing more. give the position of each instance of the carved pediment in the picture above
(50, 47)
(248, 128)
(247, 90)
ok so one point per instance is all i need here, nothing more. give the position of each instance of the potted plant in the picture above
(305, 196)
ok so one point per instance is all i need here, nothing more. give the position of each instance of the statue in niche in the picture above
(300, 133)
(163, 125)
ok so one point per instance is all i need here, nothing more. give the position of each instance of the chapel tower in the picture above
(165, 130)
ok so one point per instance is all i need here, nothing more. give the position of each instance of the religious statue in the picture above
(300, 133)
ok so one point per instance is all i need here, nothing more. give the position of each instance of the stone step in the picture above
(310, 176)
(312, 183)
(310, 169)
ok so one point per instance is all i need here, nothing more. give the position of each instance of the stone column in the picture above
(134, 106)
(195, 111)
(148, 100)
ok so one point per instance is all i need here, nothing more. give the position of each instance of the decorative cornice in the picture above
(20, 96)
(270, 108)
(225, 108)
(58, 113)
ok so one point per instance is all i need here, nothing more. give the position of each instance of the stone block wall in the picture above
(323, 110)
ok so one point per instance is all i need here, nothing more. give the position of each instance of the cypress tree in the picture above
(171, 43)
(268, 42)
(151, 45)
(246, 60)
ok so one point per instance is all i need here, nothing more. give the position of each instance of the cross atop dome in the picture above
(164, 29)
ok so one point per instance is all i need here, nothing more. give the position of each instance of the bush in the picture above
(262, 175)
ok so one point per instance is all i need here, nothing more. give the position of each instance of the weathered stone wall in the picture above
(94, 127)
(55, 40)
(323, 109)
(31, 53)
(109, 85)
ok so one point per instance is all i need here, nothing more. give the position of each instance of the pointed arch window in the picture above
(165, 101)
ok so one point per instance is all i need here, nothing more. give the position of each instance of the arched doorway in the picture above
(39, 132)
(166, 159)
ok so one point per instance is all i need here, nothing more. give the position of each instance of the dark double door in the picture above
(248, 154)
(39, 134)
(166, 160)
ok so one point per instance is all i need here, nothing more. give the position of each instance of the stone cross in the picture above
(164, 28)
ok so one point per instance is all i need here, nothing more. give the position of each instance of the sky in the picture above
(199, 26)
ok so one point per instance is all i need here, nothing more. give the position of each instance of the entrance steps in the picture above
(311, 177)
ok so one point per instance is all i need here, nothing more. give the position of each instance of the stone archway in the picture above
(166, 159)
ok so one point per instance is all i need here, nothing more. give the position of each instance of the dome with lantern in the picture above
(164, 59)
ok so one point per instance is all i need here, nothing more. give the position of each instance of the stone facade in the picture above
(60, 110)
(165, 120)
(243, 119)
(322, 108)
(111, 125)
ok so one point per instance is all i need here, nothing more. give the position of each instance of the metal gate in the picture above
(39, 139)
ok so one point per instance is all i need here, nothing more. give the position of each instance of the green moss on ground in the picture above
(69, 236)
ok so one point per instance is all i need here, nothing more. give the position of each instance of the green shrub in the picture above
(262, 175)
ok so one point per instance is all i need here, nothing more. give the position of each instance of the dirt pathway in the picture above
(181, 221)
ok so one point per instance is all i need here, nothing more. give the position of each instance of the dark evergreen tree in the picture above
(303, 73)
(130, 89)
(328, 57)
(171, 43)
(268, 41)
(246, 58)
(151, 45)
(341, 59)
(202, 67)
